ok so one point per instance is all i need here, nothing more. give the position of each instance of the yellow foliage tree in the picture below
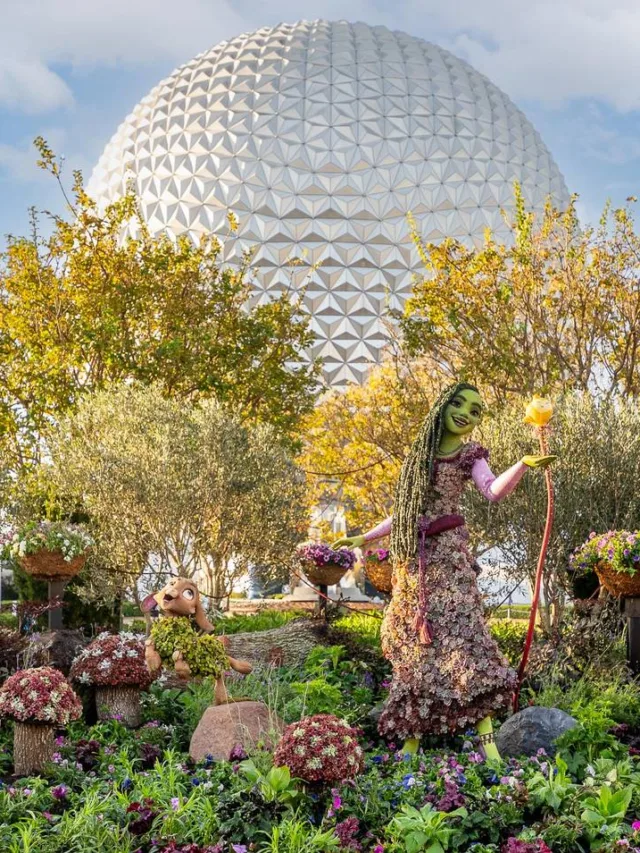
(356, 439)
(557, 309)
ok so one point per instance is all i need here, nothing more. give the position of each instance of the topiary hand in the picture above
(538, 461)
(349, 542)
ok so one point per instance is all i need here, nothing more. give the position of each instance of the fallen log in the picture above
(285, 646)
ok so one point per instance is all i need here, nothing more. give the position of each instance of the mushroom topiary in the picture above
(321, 749)
(39, 701)
(115, 665)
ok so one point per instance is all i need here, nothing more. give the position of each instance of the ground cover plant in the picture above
(116, 790)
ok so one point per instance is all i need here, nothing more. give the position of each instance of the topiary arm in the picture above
(496, 488)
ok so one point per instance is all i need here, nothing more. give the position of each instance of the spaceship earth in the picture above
(321, 137)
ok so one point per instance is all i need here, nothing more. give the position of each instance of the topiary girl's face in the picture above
(463, 414)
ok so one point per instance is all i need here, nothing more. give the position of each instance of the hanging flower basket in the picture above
(325, 566)
(51, 565)
(48, 550)
(615, 558)
(618, 583)
(378, 569)
(327, 575)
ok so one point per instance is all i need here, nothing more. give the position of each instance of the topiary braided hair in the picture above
(416, 477)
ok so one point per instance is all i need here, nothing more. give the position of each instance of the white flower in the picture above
(314, 764)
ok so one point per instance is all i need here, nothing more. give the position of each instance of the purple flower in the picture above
(175, 803)
(347, 832)
(59, 792)
(239, 848)
(635, 826)
(238, 753)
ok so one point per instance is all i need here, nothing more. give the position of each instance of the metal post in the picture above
(56, 590)
(321, 606)
(631, 609)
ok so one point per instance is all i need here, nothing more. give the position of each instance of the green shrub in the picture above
(8, 620)
(264, 620)
(510, 636)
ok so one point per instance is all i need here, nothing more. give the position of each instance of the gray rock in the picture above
(532, 729)
(54, 648)
(376, 712)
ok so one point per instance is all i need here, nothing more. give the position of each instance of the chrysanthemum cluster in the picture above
(322, 555)
(322, 748)
(41, 695)
(620, 549)
(112, 660)
(204, 653)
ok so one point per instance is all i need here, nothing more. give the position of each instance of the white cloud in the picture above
(548, 50)
(18, 162)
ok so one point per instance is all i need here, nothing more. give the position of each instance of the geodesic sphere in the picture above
(321, 137)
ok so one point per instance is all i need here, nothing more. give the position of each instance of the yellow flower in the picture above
(539, 411)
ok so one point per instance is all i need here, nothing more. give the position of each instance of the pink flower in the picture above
(635, 826)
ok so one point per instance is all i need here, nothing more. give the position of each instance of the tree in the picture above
(355, 440)
(175, 487)
(595, 479)
(557, 309)
(85, 307)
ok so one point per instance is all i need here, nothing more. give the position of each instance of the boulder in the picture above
(55, 648)
(376, 712)
(222, 727)
(532, 729)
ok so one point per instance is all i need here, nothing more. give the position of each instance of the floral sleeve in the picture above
(470, 454)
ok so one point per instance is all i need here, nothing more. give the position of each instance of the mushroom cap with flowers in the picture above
(40, 695)
(112, 660)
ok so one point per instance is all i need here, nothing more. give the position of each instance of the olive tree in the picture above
(174, 487)
(595, 478)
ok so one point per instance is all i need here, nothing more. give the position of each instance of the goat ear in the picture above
(201, 619)
(149, 603)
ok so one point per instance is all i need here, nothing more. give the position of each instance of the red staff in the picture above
(538, 413)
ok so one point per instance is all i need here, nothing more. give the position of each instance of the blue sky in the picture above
(72, 71)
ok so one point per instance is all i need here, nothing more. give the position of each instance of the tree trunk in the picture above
(122, 703)
(286, 646)
(33, 747)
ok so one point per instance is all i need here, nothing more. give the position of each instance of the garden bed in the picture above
(113, 790)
